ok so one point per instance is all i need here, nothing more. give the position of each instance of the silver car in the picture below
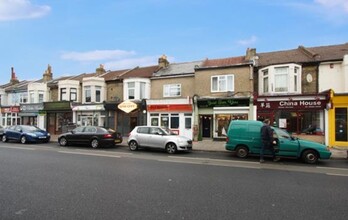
(158, 137)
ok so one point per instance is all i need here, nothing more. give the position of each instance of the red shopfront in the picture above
(10, 116)
(174, 114)
(297, 114)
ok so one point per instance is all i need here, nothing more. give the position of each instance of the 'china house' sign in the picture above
(291, 104)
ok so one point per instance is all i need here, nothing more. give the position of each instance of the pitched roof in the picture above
(304, 55)
(113, 75)
(225, 62)
(178, 69)
(22, 85)
(143, 72)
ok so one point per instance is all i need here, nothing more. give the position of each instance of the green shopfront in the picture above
(59, 116)
(215, 115)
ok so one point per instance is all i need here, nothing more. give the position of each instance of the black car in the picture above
(90, 135)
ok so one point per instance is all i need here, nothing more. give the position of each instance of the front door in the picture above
(206, 125)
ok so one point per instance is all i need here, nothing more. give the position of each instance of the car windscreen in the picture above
(282, 133)
(30, 129)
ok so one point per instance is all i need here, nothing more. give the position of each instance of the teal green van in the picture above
(243, 137)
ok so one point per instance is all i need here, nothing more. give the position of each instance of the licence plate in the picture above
(42, 137)
(117, 141)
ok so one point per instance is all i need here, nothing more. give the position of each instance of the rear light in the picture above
(107, 136)
(227, 139)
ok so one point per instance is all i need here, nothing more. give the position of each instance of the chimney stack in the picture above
(48, 75)
(163, 62)
(250, 54)
(13, 79)
(100, 70)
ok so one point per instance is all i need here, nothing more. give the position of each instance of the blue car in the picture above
(25, 134)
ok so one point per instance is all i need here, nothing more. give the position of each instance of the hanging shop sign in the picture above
(127, 106)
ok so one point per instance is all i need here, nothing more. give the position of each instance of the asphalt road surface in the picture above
(52, 182)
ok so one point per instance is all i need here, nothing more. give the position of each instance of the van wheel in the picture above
(242, 151)
(310, 156)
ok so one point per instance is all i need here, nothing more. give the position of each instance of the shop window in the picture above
(154, 119)
(341, 124)
(165, 120)
(188, 122)
(174, 121)
(222, 122)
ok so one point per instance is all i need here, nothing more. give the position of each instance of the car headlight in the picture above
(182, 141)
(48, 134)
(31, 134)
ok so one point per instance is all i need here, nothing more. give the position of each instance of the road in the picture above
(46, 181)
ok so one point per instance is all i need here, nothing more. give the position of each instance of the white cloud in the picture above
(132, 62)
(97, 55)
(248, 42)
(21, 9)
(337, 5)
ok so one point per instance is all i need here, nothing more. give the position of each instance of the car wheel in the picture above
(95, 143)
(4, 138)
(171, 148)
(23, 140)
(133, 145)
(63, 141)
(242, 152)
(310, 156)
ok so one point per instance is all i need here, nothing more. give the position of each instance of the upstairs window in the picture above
(23, 98)
(63, 94)
(131, 90)
(41, 96)
(280, 79)
(98, 93)
(32, 96)
(223, 83)
(172, 90)
(73, 94)
(88, 94)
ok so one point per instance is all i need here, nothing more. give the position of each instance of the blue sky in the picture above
(76, 36)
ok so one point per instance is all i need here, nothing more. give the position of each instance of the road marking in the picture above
(217, 160)
(22, 148)
(336, 174)
(89, 154)
(333, 168)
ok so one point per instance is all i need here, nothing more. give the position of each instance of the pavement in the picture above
(219, 146)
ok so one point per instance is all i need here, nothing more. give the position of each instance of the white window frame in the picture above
(172, 90)
(293, 79)
(85, 90)
(222, 83)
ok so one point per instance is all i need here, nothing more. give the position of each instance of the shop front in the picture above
(85, 114)
(124, 116)
(10, 116)
(29, 114)
(215, 115)
(338, 118)
(175, 114)
(59, 116)
(300, 114)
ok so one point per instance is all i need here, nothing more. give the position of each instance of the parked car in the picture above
(90, 135)
(243, 137)
(25, 134)
(158, 137)
(1, 131)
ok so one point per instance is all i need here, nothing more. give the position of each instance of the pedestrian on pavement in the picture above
(267, 140)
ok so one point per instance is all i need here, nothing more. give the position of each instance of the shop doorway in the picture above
(206, 125)
(133, 122)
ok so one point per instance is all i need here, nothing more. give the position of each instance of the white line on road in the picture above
(336, 174)
(22, 148)
(89, 154)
